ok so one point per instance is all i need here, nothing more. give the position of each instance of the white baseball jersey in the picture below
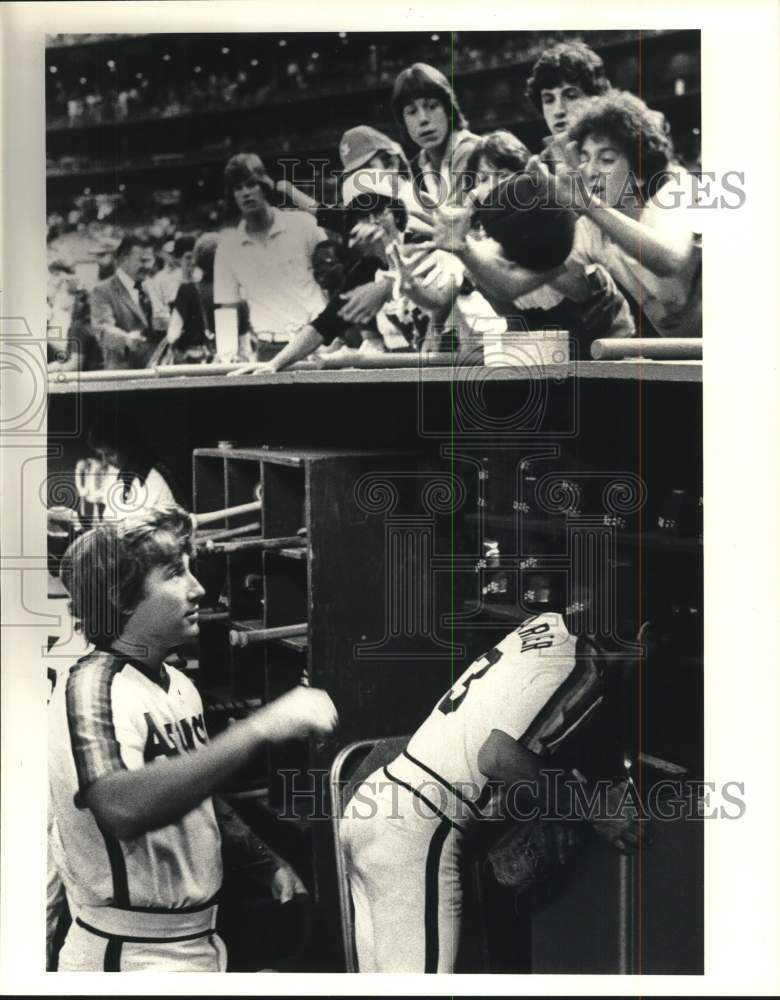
(107, 715)
(531, 685)
(403, 829)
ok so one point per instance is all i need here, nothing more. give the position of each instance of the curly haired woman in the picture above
(638, 208)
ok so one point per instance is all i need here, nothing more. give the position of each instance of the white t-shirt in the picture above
(106, 715)
(273, 273)
(671, 304)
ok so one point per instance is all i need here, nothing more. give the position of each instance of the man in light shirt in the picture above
(266, 260)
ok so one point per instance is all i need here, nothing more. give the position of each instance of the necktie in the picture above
(144, 302)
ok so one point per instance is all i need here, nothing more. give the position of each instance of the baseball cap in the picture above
(360, 143)
(366, 182)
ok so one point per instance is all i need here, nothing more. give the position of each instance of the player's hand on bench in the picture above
(295, 715)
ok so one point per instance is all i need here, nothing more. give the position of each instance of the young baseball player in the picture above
(408, 826)
(131, 767)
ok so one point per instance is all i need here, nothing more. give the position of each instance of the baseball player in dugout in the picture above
(132, 771)
(500, 770)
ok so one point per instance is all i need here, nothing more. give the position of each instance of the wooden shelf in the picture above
(634, 369)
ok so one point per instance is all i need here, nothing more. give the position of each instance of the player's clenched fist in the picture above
(299, 713)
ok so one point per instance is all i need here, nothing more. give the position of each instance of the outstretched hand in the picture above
(566, 187)
(415, 268)
(451, 226)
(362, 303)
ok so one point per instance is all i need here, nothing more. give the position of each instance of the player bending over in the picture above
(408, 825)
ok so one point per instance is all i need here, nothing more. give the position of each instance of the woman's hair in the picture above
(639, 133)
(567, 63)
(422, 80)
(105, 569)
(504, 150)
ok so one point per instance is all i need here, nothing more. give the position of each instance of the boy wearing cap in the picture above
(368, 157)
(267, 259)
(380, 203)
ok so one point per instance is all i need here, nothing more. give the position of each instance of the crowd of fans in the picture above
(141, 90)
(472, 236)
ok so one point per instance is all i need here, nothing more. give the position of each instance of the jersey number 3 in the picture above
(454, 698)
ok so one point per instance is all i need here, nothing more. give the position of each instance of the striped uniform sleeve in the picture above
(94, 738)
(569, 705)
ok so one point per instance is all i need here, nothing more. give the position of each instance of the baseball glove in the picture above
(533, 852)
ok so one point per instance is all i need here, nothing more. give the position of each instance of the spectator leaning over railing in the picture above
(583, 299)
(367, 155)
(408, 292)
(267, 259)
(638, 209)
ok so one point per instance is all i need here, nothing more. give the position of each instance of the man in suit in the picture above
(122, 309)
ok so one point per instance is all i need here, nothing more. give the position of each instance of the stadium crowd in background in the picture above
(492, 219)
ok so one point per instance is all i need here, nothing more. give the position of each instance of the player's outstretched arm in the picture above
(130, 803)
